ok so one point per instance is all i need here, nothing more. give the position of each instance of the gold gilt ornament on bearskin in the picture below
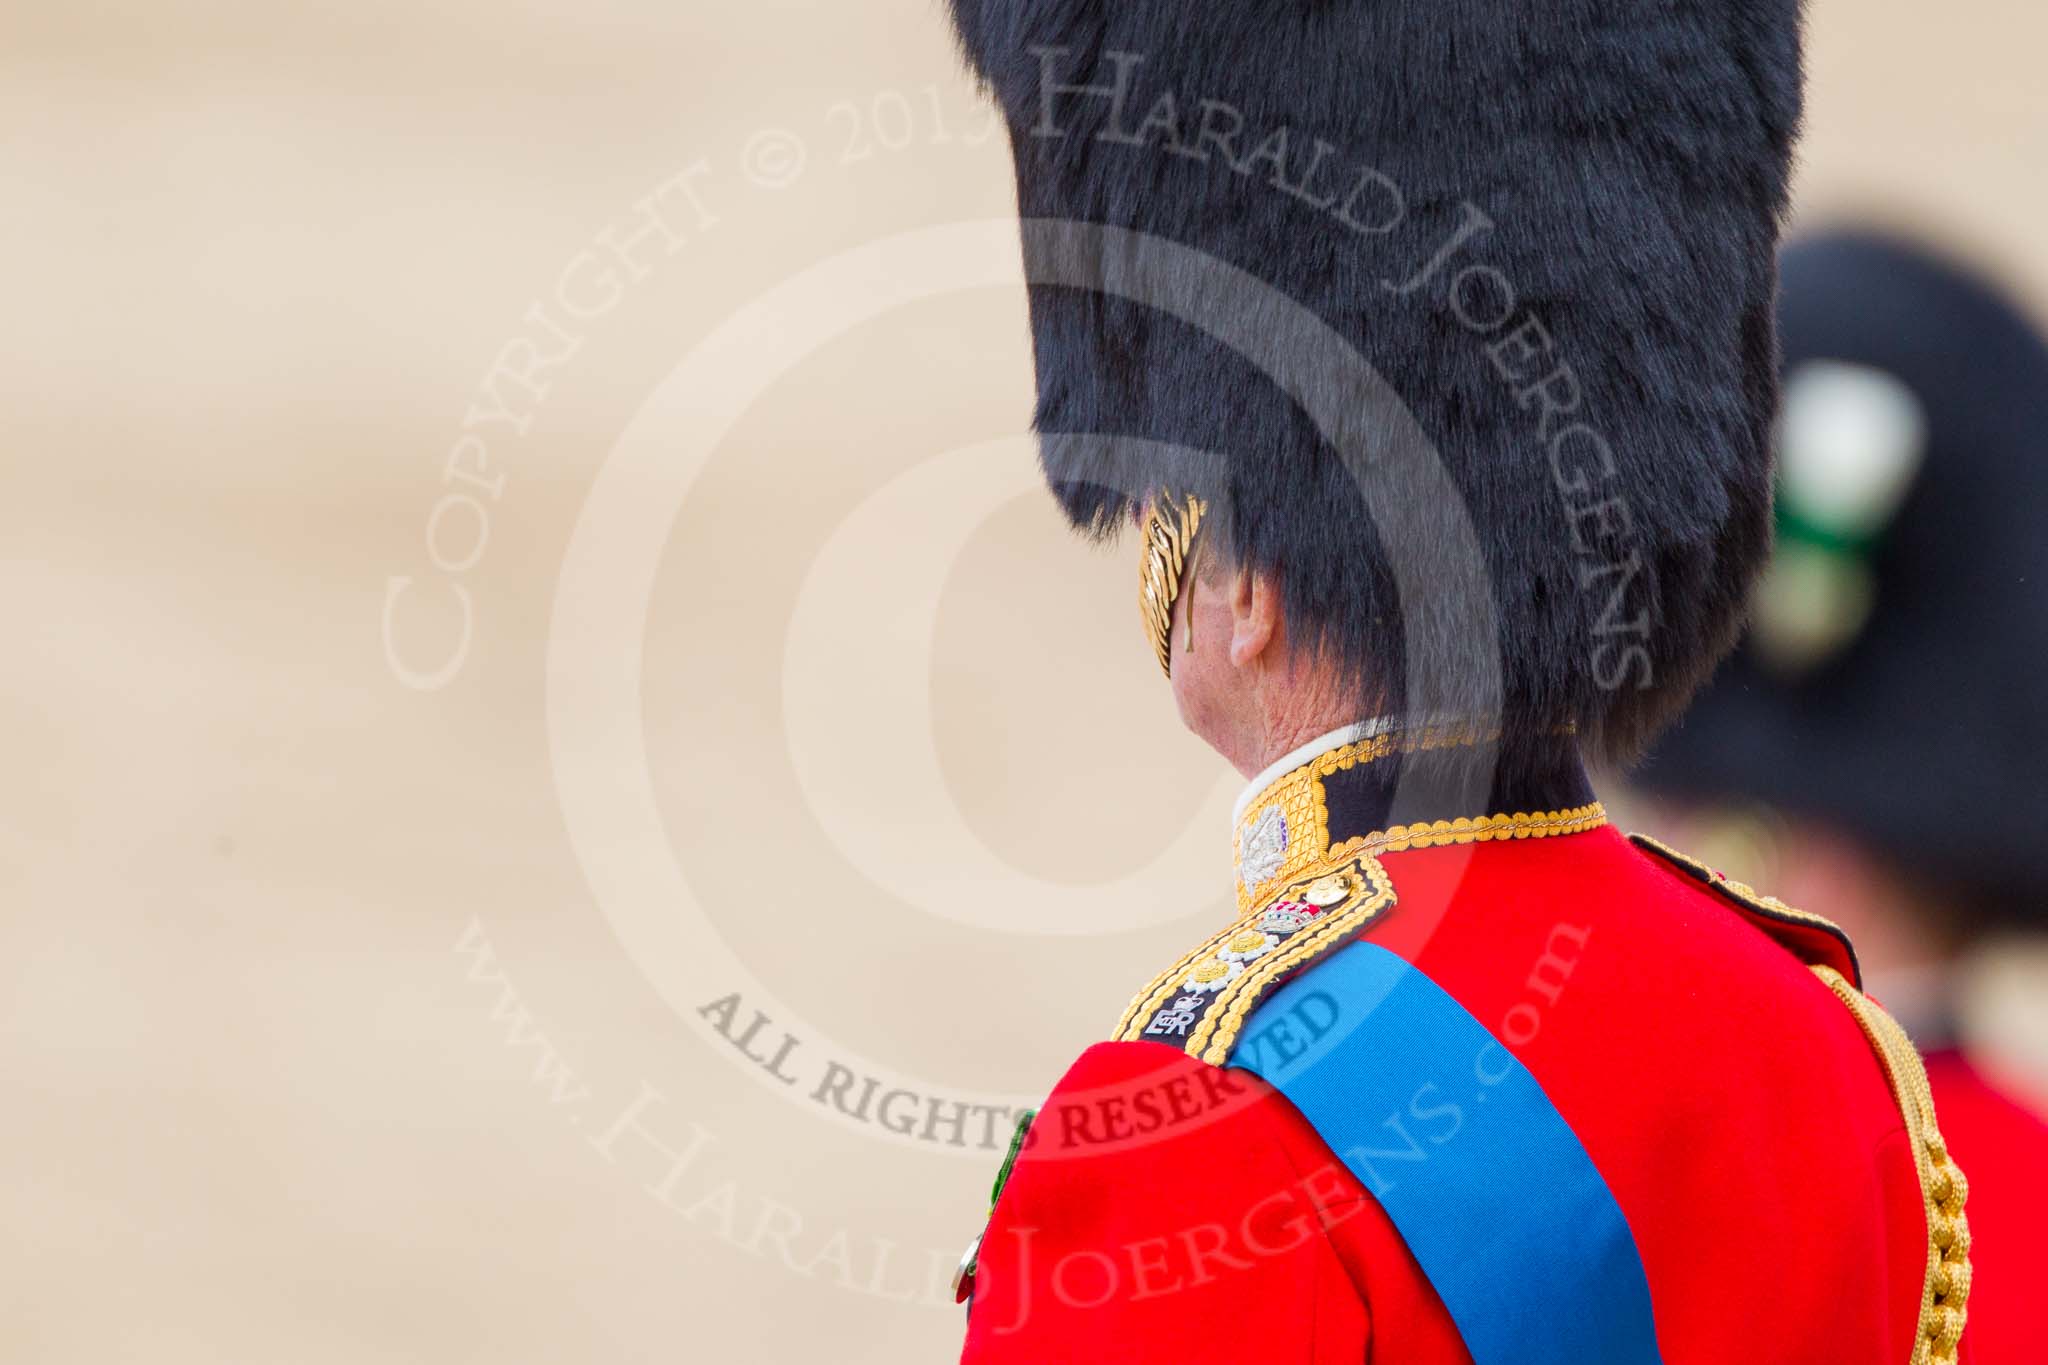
(1170, 526)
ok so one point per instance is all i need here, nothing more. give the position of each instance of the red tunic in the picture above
(2004, 1147)
(1165, 1209)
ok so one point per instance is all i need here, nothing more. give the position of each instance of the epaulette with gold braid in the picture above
(1201, 1002)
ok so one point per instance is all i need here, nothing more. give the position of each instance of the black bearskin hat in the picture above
(1891, 681)
(1419, 295)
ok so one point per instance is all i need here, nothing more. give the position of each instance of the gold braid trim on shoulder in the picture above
(1372, 896)
(1945, 1294)
(1350, 890)
(1237, 965)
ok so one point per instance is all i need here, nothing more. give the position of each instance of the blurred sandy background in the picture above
(311, 1012)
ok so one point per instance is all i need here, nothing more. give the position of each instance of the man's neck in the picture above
(1302, 717)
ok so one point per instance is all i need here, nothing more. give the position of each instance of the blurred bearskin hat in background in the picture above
(1891, 681)
(1548, 229)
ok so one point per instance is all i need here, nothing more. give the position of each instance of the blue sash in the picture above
(1486, 1183)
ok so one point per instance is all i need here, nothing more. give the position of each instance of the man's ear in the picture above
(1254, 616)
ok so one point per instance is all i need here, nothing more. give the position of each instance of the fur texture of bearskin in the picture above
(1591, 374)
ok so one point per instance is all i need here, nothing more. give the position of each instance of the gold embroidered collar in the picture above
(1284, 828)
(1302, 893)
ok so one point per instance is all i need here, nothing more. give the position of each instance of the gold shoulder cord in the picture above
(1947, 1288)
